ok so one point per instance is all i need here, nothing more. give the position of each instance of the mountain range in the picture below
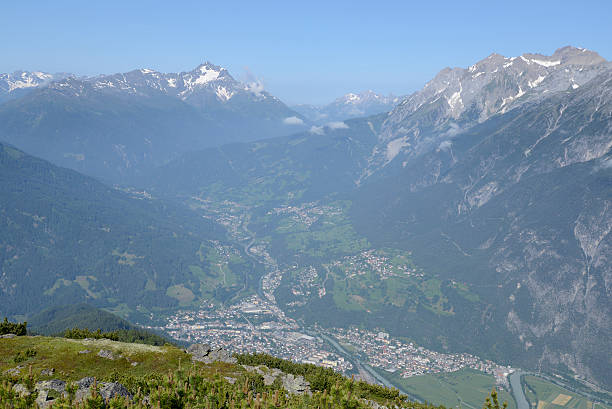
(349, 106)
(19, 83)
(494, 179)
(116, 126)
(506, 193)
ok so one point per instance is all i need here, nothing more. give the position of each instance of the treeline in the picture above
(122, 335)
(17, 328)
(321, 378)
(85, 321)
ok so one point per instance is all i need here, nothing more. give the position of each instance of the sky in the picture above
(303, 51)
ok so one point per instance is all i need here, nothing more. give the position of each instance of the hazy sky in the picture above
(304, 51)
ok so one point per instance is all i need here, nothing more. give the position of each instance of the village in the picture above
(392, 355)
(258, 324)
(253, 325)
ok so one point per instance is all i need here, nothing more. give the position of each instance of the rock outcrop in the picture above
(49, 391)
(205, 353)
(294, 384)
(106, 390)
(106, 354)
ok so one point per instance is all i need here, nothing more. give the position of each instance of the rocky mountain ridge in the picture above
(116, 126)
(528, 194)
(349, 106)
(13, 85)
(459, 98)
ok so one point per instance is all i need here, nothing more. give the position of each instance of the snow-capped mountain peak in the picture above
(351, 105)
(205, 82)
(366, 97)
(25, 79)
(458, 98)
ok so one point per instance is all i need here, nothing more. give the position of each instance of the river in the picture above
(517, 390)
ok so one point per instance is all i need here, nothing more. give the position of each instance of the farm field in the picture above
(546, 395)
(464, 388)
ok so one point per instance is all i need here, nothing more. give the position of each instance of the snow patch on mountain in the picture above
(207, 75)
(223, 93)
(546, 63)
(536, 82)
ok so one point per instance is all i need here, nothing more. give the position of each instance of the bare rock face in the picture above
(527, 192)
(460, 98)
(205, 353)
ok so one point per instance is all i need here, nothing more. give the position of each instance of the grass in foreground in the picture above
(165, 377)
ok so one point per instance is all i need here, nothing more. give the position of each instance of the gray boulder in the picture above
(204, 353)
(104, 353)
(43, 400)
(52, 385)
(106, 390)
(199, 351)
(113, 390)
(269, 374)
(295, 384)
(46, 391)
(84, 388)
(21, 389)
(47, 372)
(85, 383)
(13, 371)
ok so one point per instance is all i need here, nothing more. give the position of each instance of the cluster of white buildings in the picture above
(393, 355)
(253, 325)
(308, 213)
(381, 265)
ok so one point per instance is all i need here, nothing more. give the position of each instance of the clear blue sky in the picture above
(305, 51)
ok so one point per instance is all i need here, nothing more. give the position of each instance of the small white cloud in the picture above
(453, 130)
(253, 84)
(293, 120)
(317, 130)
(607, 164)
(445, 145)
(337, 125)
(256, 87)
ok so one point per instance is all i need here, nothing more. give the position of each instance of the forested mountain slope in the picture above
(65, 236)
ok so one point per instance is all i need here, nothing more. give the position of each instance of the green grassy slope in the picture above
(168, 377)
